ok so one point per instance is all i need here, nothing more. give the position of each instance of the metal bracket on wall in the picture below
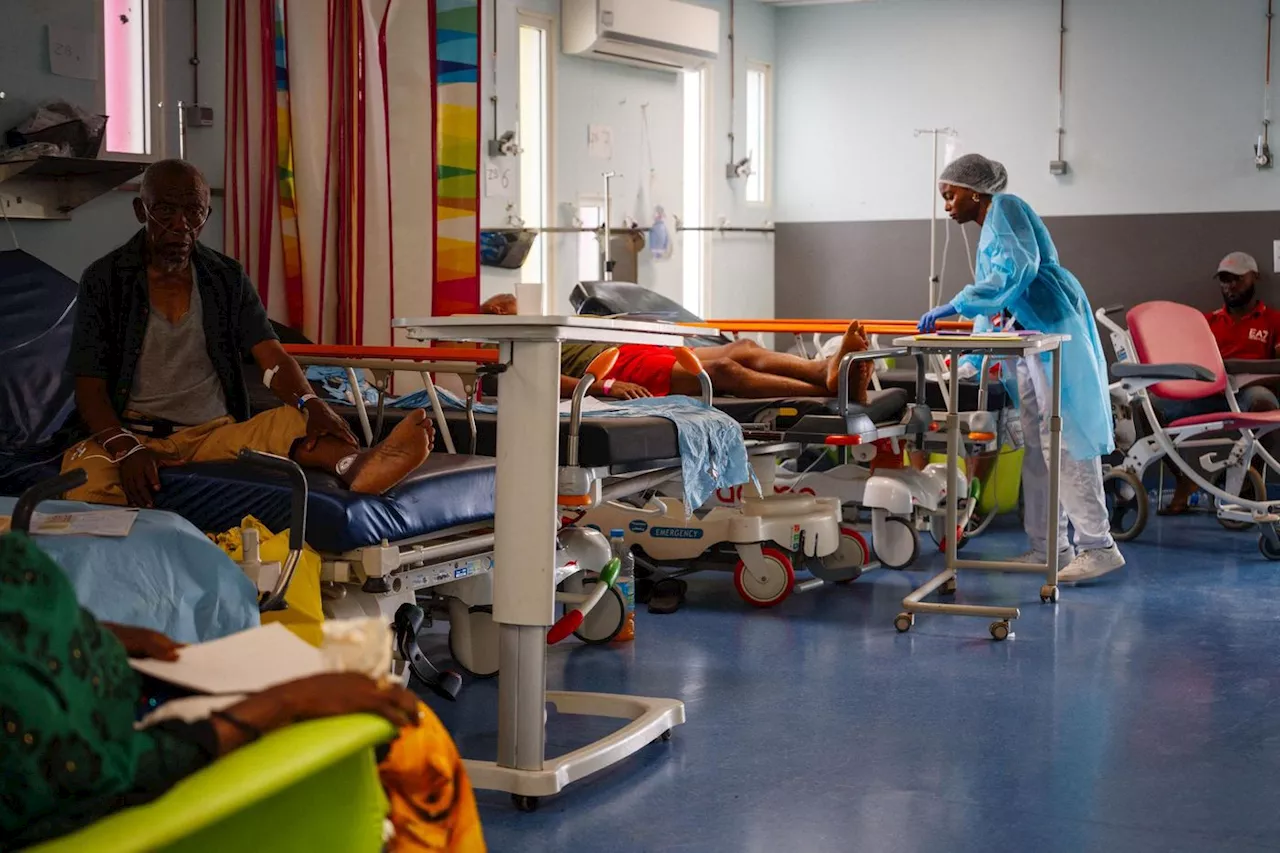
(52, 187)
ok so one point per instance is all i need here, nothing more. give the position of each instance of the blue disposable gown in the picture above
(1018, 271)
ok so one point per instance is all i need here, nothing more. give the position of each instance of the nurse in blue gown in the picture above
(1018, 274)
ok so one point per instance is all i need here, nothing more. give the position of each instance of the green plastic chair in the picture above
(309, 787)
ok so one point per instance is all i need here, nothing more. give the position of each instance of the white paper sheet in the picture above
(589, 404)
(242, 663)
(100, 522)
(600, 142)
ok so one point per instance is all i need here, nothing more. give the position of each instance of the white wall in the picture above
(1164, 100)
(101, 225)
(586, 92)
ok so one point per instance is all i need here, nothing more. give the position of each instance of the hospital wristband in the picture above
(304, 399)
(607, 385)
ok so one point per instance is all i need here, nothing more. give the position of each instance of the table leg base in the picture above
(944, 583)
(649, 719)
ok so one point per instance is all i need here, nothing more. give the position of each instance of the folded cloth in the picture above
(337, 387)
(713, 454)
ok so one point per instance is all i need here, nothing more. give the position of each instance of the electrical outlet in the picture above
(1057, 167)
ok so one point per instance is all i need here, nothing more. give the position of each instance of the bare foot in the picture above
(854, 341)
(383, 466)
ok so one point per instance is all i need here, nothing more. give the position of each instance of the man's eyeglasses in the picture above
(177, 219)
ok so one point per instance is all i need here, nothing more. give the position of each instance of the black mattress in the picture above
(624, 444)
(905, 379)
(882, 407)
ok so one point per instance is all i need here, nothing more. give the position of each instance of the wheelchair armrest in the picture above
(1162, 372)
(1260, 367)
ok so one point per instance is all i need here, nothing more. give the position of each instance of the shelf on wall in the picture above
(52, 187)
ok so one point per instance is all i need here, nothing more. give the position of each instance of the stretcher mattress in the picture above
(627, 444)
(905, 378)
(882, 407)
(447, 491)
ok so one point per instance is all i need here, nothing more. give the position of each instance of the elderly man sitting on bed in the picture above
(739, 369)
(162, 327)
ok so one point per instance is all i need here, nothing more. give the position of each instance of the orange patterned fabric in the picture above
(433, 808)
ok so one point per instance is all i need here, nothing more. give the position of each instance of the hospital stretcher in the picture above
(1169, 352)
(902, 501)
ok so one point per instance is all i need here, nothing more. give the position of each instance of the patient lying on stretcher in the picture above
(161, 329)
(738, 369)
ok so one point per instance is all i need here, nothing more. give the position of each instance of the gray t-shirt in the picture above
(175, 380)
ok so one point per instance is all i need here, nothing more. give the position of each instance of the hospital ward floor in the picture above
(1142, 713)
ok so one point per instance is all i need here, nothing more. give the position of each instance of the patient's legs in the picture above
(379, 468)
(755, 357)
(281, 431)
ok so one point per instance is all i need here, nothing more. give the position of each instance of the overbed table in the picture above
(945, 582)
(525, 523)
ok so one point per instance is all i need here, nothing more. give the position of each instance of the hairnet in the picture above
(977, 173)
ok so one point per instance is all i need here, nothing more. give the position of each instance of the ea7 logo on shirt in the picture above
(1259, 335)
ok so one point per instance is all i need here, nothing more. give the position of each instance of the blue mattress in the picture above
(447, 491)
(165, 575)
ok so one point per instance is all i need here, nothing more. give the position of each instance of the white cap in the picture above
(1238, 263)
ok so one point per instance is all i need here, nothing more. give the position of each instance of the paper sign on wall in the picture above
(72, 52)
(498, 178)
(600, 142)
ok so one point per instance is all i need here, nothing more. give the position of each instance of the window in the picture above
(590, 260)
(759, 80)
(130, 79)
(535, 159)
(693, 244)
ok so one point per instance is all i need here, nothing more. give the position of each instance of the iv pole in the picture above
(935, 285)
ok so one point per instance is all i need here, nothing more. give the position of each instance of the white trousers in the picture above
(1080, 483)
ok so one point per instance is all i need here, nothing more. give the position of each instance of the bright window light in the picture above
(535, 163)
(693, 250)
(758, 79)
(126, 53)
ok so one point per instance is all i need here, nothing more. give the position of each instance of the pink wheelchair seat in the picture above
(1171, 333)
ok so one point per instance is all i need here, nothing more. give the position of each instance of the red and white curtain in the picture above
(330, 184)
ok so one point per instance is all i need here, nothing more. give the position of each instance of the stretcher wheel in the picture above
(1252, 489)
(605, 620)
(849, 561)
(524, 803)
(1269, 547)
(1048, 594)
(999, 630)
(770, 588)
(1127, 504)
(903, 622)
(898, 546)
(480, 660)
(665, 736)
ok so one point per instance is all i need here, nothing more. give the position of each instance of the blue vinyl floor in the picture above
(1142, 713)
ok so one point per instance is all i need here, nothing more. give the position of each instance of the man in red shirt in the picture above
(1245, 328)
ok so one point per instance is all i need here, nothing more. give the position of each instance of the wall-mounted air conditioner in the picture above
(663, 34)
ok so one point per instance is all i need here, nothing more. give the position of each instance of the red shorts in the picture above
(647, 366)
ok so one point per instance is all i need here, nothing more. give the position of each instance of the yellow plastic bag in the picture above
(304, 614)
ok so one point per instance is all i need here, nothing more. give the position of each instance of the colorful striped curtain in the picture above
(352, 160)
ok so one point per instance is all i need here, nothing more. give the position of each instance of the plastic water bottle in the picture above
(626, 582)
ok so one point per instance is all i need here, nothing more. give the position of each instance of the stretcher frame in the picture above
(946, 581)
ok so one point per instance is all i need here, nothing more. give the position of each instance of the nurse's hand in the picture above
(929, 322)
